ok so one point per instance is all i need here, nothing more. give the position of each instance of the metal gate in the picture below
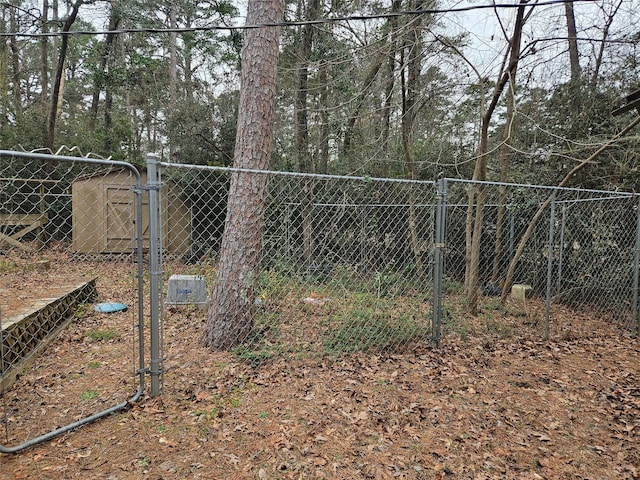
(63, 360)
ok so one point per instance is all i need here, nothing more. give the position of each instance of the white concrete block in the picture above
(521, 291)
(187, 290)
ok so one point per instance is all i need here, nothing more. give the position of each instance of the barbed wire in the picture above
(65, 149)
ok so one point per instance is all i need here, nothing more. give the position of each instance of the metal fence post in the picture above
(512, 233)
(561, 252)
(438, 258)
(552, 221)
(153, 185)
(636, 271)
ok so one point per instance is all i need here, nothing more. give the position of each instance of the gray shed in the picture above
(104, 215)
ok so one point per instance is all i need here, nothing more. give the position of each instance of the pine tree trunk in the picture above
(16, 74)
(4, 74)
(232, 309)
(44, 58)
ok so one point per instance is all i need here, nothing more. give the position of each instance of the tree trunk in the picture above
(230, 318)
(173, 71)
(55, 20)
(325, 128)
(16, 76)
(44, 58)
(58, 81)
(505, 165)
(173, 55)
(476, 218)
(413, 47)
(389, 86)
(108, 119)
(603, 43)
(114, 23)
(410, 91)
(574, 58)
(187, 58)
(305, 163)
(472, 282)
(359, 102)
(4, 73)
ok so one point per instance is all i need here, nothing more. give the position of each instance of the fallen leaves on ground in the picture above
(477, 407)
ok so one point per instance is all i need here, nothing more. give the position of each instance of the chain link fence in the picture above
(347, 263)
(361, 264)
(69, 230)
(574, 248)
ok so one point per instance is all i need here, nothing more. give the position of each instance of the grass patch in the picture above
(8, 266)
(89, 395)
(366, 331)
(100, 335)
(458, 325)
(208, 414)
(501, 330)
(254, 357)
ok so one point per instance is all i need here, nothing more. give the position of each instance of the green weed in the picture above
(89, 395)
(99, 335)
(373, 332)
(8, 266)
(211, 413)
(502, 330)
(254, 357)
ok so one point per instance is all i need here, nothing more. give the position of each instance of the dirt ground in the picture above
(492, 401)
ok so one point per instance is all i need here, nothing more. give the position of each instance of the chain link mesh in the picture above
(346, 262)
(67, 240)
(580, 253)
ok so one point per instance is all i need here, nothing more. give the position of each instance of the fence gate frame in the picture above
(138, 190)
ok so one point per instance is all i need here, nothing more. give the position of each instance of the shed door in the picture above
(120, 219)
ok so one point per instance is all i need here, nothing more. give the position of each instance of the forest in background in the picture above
(419, 96)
